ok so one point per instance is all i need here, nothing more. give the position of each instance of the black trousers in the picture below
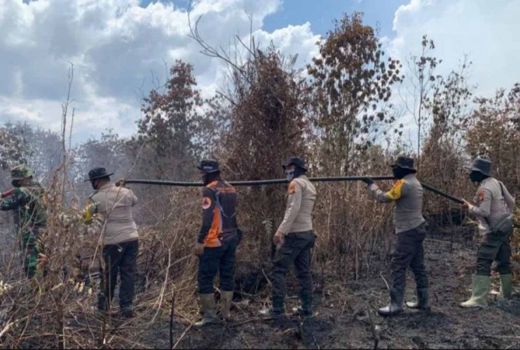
(119, 259)
(408, 252)
(494, 247)
(296, 250)
(218, 260)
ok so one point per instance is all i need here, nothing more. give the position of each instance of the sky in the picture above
(120, 49)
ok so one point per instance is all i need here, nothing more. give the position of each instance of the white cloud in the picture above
(120, 51)
(486, 31)
(293, 40)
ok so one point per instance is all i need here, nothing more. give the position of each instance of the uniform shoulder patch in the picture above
(480, 195)
(293, 186)
(206, 203)
(396, 191)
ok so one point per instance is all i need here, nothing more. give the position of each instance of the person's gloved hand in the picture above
(121, 183)
(367, 180)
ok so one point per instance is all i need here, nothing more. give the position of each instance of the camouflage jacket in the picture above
(29, 204)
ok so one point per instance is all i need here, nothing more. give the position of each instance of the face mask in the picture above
(399, 173)
(209, 178)
(16, 183)
(290, 175)
(94, 184)
(475, 176)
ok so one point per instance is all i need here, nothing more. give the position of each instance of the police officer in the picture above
(493, 206)
(27, 198)
(217, 242)
(410, 226)
(294, 239)
(113, 204)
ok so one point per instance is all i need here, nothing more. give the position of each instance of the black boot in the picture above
(396, 304)
(422, 302)
(305, 310)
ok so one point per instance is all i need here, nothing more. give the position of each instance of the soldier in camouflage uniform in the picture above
(27, 199)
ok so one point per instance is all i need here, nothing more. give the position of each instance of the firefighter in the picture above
(294, 239)
(493, 206)
(120, 239)
(410, 227)
(27, 198)
(216, 243)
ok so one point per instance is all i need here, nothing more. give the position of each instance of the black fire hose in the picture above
(285, 181)
(255, 182)
(443, 194)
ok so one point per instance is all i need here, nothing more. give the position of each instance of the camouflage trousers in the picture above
(31, 249)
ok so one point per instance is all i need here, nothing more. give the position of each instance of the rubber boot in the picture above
(506, 286)
(208, 309)
(481, 286)
(396, 304)
(422, 302)
(225, 301)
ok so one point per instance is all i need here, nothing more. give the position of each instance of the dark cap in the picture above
(404, 162)
(296, 161)
(21, 172)
(98, 173)
(481, 165)
(209, 166)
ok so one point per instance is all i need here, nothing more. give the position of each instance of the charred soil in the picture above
(347, 314)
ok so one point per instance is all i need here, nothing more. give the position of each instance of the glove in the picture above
(367, 180)
(121, 183)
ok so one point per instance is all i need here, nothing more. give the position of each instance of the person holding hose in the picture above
(119, 237)
(217, 242)
(410, 227)
(294, 240)
(493, 206)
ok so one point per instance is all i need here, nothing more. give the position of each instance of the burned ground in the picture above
(346, 314)
(346, 310)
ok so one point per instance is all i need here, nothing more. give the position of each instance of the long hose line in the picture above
(285, 181)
